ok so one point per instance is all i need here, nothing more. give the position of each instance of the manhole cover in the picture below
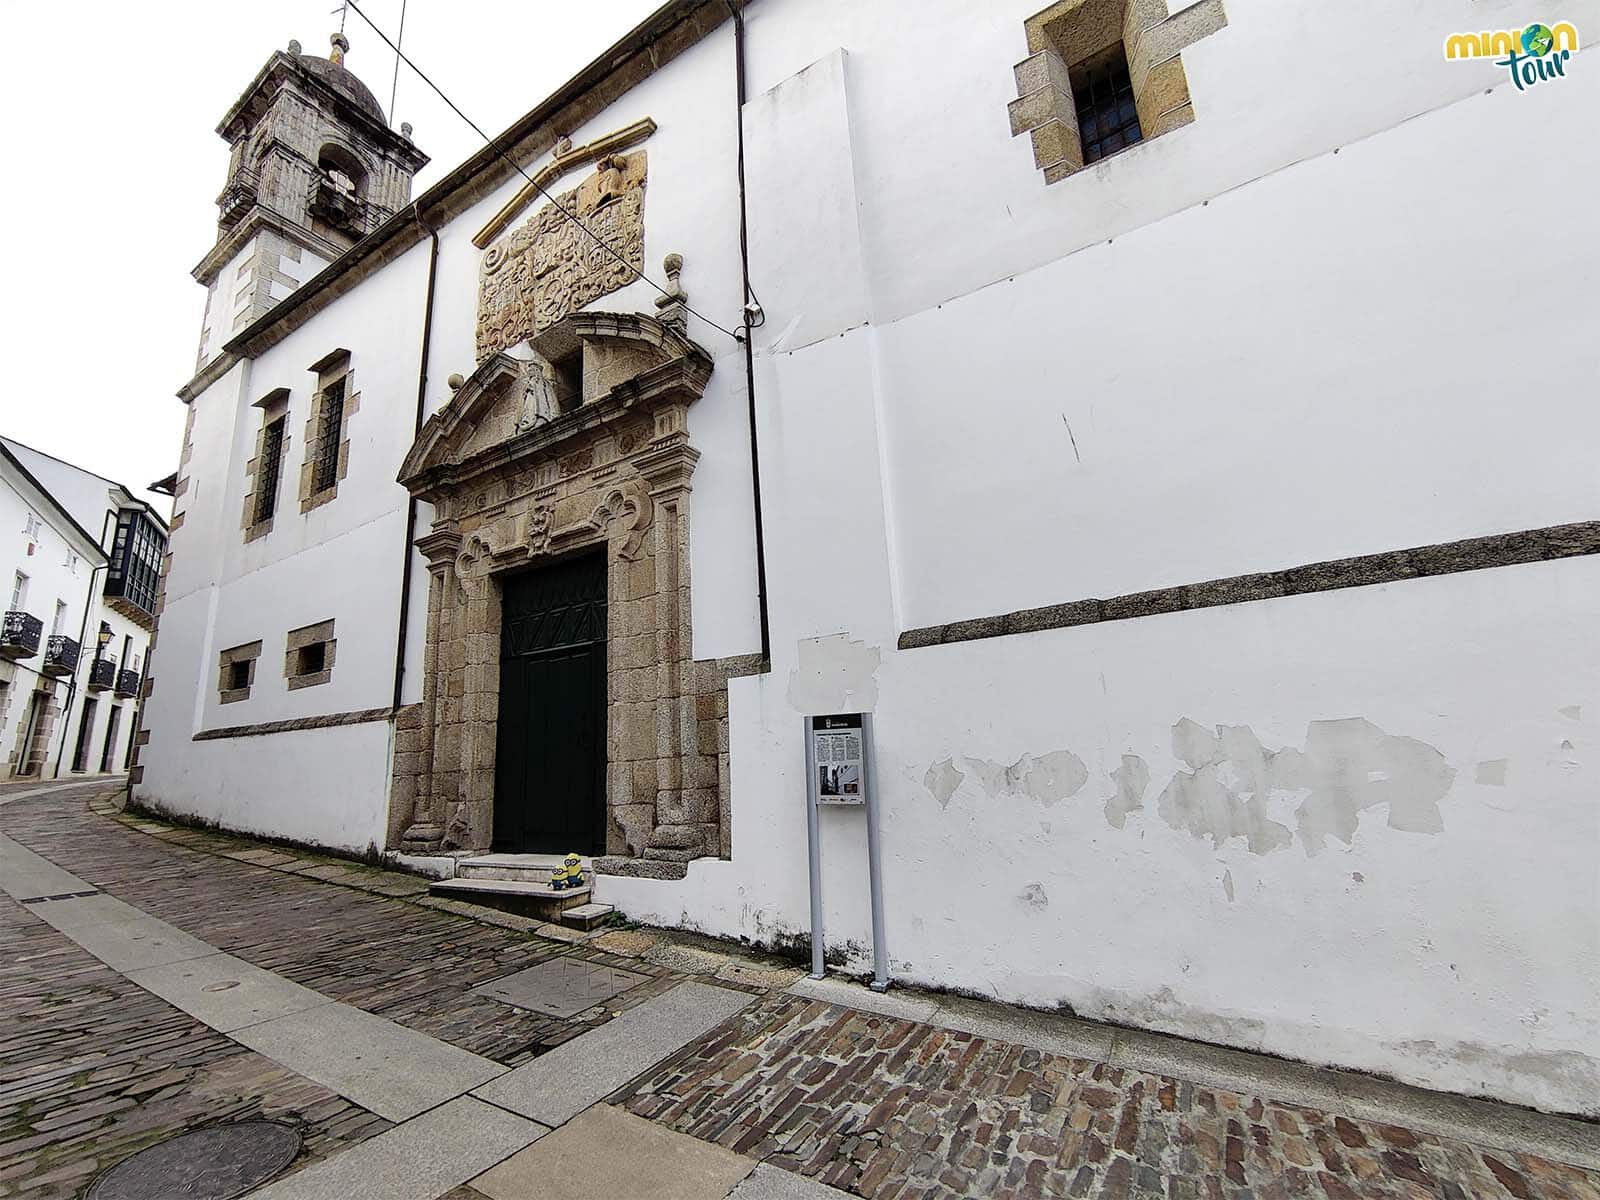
(562, 987)
(217, 1163)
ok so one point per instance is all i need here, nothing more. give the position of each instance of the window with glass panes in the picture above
(1103, 95)
(327, 468)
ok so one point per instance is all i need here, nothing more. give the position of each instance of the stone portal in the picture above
(517, 482)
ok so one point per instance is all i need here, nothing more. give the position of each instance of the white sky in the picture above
(107, 120)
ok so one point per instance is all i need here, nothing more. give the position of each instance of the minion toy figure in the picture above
(568, 875)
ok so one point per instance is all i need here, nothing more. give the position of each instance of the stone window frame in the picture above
(299, 640)
(274, 407)
(331, 369)
(1071, 31)
(247, 653)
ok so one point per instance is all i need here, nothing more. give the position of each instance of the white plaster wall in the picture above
(50, 578)
(1268, 354)
(950, 202)
(1463, 959)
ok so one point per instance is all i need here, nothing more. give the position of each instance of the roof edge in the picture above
(33, 482)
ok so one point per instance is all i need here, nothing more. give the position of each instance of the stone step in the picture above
(587, 916)
(525, 868)
(525, 897)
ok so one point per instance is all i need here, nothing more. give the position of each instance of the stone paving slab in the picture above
(767, 1182)
(423, 1158)
(607, 1153)
(225, 992)
(26, 876)
(118, 934)
(94, 1068)
(387, 1068)
(561, 987)
(555, 1087)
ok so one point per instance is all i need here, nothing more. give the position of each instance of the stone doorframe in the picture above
(514, 483)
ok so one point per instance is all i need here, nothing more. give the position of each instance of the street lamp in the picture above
(103, 637)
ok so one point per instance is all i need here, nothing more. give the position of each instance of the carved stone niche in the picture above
(515, 478)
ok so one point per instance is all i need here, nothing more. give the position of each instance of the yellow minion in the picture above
(568, 875)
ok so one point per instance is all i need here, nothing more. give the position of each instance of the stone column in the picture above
(686, 796)
(426, 831)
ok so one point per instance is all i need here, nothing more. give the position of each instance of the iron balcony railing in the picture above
(60, 655)
(20, 634)
(127, 683)
(102, 674)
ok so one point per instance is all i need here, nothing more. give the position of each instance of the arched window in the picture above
(343, 169)
(341, 190)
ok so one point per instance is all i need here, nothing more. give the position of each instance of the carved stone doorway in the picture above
(521, 475)
(550, 754)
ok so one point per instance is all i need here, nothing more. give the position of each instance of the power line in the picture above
(400, 40)
(495, 146)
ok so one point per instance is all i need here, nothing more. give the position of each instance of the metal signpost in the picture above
(839, 775)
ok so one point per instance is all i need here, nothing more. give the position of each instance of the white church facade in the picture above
(1171, 421)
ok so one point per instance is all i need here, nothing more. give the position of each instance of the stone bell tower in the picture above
(314, 169)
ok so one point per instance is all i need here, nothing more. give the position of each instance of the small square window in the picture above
(236, 672)
(309, 655)
(311, 659)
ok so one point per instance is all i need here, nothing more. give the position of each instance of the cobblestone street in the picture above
(94, 1067)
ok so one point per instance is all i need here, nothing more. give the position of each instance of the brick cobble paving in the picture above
(93, 1068)
(892, 1109)
(415, 966)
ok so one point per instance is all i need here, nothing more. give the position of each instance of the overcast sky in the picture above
(109, 112)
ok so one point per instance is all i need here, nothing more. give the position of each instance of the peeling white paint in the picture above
(834, 675)
(1033, 897)
(1048, 779)
(1491, 772)
(942, 779)
(1347, 766)
(1132, 780)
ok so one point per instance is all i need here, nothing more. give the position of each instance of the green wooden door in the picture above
(551, 741)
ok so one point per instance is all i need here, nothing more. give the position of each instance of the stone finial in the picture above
(405, 130)
(454, 382)
(673, 303)
(341, 46)
(294, 48)
(563, 145)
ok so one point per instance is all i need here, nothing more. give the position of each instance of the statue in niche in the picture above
(539, 403)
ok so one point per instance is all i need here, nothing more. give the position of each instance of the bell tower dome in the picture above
(314, 169)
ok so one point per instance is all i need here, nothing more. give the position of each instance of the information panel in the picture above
(837, 756)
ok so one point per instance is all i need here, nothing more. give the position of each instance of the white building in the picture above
(1222, 597)
(82, 563)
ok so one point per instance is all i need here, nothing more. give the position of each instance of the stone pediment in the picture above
(508, 411)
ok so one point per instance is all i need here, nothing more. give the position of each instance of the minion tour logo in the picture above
(1532, 55)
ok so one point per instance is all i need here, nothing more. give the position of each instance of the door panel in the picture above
(551, 739)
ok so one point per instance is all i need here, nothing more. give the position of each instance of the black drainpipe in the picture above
(83, 631)
(735, 7)
(411, 506)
